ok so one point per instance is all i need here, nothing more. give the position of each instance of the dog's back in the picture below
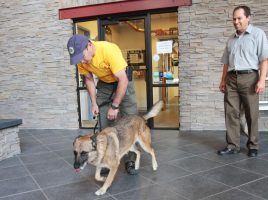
(131, 128)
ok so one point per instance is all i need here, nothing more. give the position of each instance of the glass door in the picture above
(149, 44)
(129, 35)
(165, 68)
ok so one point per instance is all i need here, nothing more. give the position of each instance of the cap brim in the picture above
(76, 59)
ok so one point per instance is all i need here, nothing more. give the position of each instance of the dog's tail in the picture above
(154, 110)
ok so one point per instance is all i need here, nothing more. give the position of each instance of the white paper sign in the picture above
(164, 47)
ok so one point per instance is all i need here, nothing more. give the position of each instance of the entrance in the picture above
(149, 44)
(129, 35)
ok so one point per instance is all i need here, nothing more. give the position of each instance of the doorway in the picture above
(155, 73)
(129, 35)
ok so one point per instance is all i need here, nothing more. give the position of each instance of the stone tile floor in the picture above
(189, 168)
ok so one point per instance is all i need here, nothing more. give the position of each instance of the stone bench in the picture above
(9, 139)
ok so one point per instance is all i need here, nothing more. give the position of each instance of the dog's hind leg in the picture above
(145, 142)
(98, 177)
(108, 181)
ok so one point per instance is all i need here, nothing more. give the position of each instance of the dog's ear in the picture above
(77, 138)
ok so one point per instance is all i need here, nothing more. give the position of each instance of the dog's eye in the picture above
(75, 153)
(83, 153)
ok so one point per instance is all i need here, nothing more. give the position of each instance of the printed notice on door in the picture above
(164, 47)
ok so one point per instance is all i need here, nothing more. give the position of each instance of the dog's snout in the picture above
(76, 165)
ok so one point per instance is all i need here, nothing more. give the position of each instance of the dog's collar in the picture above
(94, 141)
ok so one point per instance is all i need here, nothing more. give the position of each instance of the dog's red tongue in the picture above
(77, 170)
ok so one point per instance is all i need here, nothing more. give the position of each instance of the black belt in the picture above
(112, 83)
(242, 71)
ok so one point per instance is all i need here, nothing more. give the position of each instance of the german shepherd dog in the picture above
(106, 148)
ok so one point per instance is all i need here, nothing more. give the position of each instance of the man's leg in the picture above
(128, 107)
(104, 96)
(251, 103)
(232, 112)
(243, 121)
(232, 116)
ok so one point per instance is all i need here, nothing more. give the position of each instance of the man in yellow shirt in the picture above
(105, 60)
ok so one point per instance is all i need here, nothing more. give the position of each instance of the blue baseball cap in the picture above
(76, 46)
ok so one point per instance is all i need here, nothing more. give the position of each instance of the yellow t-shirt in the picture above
(107, 61)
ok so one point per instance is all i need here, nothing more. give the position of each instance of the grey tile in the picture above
(158, 135)
(195, 164)
(24, 132)
(154, 192)
(146, 161)
(53, 140)
(164, 156)
(264, 156)
(39, 158)
(65, 152)
(196, 187)
(263, 135)
(49, 156)
(29, 140)
(47, 166)
(75, 191)
(10, 162)
(171, 143)
(53, 133)
(263, 147)
(202, 136)
(54, 178)
(12, 172)
(231, 176)
(233, 194)
(258, 188)
(224, 159)
(88, 171)
(197, 148)
(35, 195)
(254, 164)
(124, 182)
(15, 186)
(30, 148)
(59, 146)
(69, 159)
(164, 172)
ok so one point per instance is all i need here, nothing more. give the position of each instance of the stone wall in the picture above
(38, 84)
(204, 29)
(9, 142)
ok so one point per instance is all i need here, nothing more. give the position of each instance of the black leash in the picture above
(95, 133)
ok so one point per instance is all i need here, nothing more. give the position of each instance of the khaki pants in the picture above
(243, 121)
(128, 105)
(240, 89)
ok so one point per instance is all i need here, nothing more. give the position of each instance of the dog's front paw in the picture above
(155, 166)
(100, 192)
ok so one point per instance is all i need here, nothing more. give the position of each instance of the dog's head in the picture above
(83, 147)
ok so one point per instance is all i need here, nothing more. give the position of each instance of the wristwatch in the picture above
(114, 107)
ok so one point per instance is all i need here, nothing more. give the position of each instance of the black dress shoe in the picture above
(252, 152)
(227, 151)
(130, 167)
